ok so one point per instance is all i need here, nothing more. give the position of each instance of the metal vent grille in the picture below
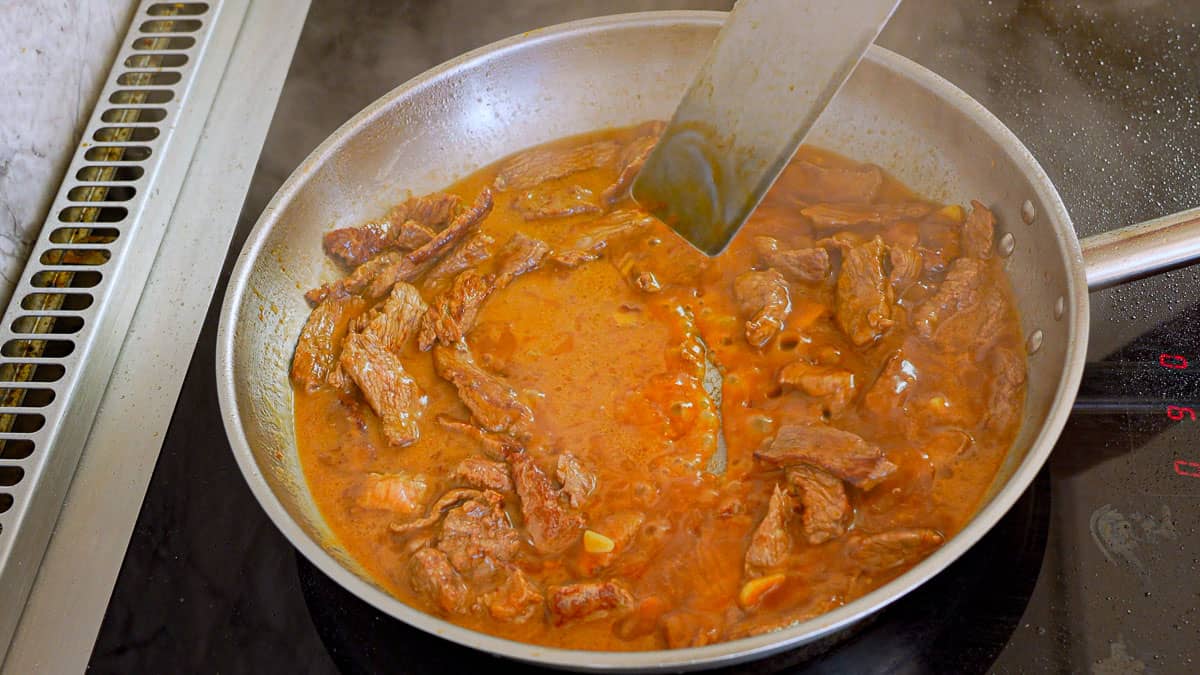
(64, 326)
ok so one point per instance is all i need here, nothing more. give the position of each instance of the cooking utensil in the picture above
(773, 68)
(617, 71)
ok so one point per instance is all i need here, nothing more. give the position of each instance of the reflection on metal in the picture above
(1142, 250)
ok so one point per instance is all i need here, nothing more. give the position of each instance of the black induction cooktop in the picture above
(1096, 568)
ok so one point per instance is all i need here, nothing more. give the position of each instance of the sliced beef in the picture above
(411, 235)
(763, 296)
(483, 473)
(432, 210)
(863, 305)
(432, 576)
(354, 246)
(971, 330)
(496, 445)
(834, 387)
(957, 292)
(407, 226)
(477, 537)
(806, 265)
(561, 202)
(396, 319)
(516, 600)
(388, 388)
(476, 249)
(858, 185)
(396, 492)
(630, 162)
(599, 233)
(978, 232)
(587, 601)
(493, 403)
(833, 216)
(521, 254)
(577, 483)
(887, 394)
(1006, 400)
(316, 350)
(361, 278)
(450, 498)
(534, 167)
(770, 543)
(453, 312)
(838, 452)
(893, 548)
(551, 524)
(825, 508)
(906, 268)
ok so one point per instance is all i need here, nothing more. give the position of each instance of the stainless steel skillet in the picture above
(618, 71)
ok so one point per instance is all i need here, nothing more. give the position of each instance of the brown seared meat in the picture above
(978, 232)
(833, 216)
(770, 543)
(893, 548)
(496, 445)
(834, 387)
(394, 321)
(521, 254)
(572, 200)
(813, 183)
(906, 268)
(863, 307)
(450, 498)
(551, 525)
(577, 484)
(516, 600)
(396, 492)
(764, 297)
(608, 229)
(452, 313)
(317, 348)
(805, 265)
(483, 473)
(972, 330)
(433, 210)
(630, 162)
(493, 403)
(534, 167)
(1005, 401)
(958, 291)
(432, 576)
(407, 226)
(388, 388)
(825, 508)
(476, 249)
(838, 452)
(587, 601)
(360, 279)
(887, 394)
(477, 537)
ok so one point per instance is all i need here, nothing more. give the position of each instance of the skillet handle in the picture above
(1142, 250)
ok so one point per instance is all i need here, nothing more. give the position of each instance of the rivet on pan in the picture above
(1060, 306)
(1034, 343)
(1006, 245)
(1028, 213)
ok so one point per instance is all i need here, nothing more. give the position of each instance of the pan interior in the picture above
(605, 73)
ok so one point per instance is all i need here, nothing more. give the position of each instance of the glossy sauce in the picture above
(614, 375)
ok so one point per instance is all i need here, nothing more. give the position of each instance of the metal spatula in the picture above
(773, 68)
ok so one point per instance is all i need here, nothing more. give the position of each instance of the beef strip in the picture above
(396, 492)
(561, 202)
(906, 268)
(971, 330)
(841, 453)
(521, 254)
(316, 350)
(477, 537)
(551, 525)
(476, 249)
(388, 388)
(493, 403)
(358, 280)
(978, 232)
(806, 265)
(407, 226)
(448, 499)
(764, 297)
(887, 394)
(824, 506)
(832, 216)
(957, 292)
(515, 600)
(858, 185)
(483, 473)
(835, 387)
(1005, 403)
(630, 162)
(577, 484)
(770, 543)
(863, 306)
(610, 227)
(902, 546)
(496, 445)
(432, 576)
(586, 601)
(393, 322)
(534, 167)
(452, 313)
